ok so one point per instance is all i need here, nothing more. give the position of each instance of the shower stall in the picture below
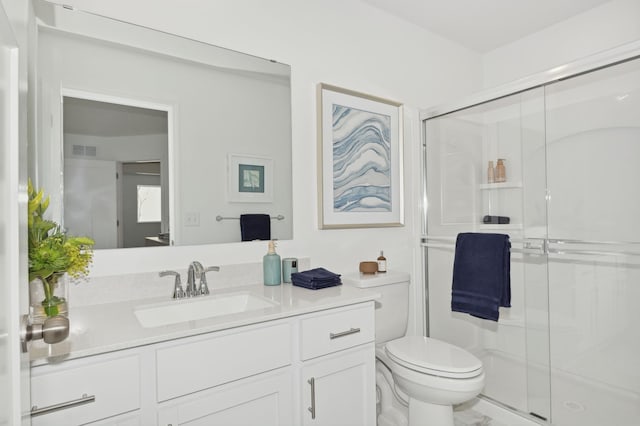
(567, 352)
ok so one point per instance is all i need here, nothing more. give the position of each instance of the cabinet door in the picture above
(265, 401)
(339, 389)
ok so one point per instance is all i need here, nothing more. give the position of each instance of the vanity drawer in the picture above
(201, 363)
(99, 389)
(336, 329)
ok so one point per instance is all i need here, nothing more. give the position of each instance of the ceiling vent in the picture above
(84, 151)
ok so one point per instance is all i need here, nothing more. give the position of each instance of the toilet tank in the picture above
(392, 309)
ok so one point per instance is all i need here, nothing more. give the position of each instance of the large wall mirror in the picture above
(144, 138)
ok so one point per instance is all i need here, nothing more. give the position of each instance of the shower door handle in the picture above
(534, 246)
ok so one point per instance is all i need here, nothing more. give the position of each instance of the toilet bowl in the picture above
(429, 375)
(435, 375)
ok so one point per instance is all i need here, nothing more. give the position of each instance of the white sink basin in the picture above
(211, 306)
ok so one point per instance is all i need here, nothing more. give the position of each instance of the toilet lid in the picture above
(435, 357)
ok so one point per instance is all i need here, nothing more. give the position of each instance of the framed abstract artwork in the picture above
(250, 179)
(360, 160)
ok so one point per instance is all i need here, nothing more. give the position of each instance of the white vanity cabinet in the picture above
(258, 374)
(339, 389)
(264, 400)
(248, 371)
(338, 367)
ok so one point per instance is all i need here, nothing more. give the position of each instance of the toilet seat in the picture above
(433, 357)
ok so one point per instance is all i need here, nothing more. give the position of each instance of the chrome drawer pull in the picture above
(35, 411)
(312, 409)
(344, 333)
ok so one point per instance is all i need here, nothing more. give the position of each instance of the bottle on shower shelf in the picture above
(490, 173)
(501, 172)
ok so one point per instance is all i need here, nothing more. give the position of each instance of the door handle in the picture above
(53, 330)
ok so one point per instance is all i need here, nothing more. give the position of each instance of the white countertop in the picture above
(110, 327)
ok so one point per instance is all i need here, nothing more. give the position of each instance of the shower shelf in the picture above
(500, 185)
(511, 226)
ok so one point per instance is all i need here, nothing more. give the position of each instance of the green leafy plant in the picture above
(52, 252)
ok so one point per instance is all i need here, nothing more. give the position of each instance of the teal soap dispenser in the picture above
(271, 266)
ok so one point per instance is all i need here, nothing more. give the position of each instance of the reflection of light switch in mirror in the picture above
(192, 219)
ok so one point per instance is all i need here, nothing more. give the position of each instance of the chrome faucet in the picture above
(204, 289)
(178, 293)
(195, 271)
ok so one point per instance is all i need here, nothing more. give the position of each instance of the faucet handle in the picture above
(178, 293)
(204, 288)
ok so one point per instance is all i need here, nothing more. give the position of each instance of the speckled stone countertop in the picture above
(108, 327)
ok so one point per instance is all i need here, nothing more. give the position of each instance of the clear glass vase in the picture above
(48, 298)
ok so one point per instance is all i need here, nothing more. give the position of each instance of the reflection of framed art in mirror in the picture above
(250, 179)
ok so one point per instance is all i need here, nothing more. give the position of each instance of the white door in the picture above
(14, 369)
(90, 200)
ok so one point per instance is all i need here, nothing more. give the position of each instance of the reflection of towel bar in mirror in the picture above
(220, 218)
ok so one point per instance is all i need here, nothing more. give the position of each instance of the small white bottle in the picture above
(490, 173)
(382, 262)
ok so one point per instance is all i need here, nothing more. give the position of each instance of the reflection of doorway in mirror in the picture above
(89, 195)
(131, 136)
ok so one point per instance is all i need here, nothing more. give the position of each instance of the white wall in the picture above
(342, 42)
(604, 27)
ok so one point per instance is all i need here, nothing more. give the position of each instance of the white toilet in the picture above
(428, 374)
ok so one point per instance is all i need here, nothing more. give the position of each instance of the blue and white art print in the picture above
(361, 160)
(361, 164)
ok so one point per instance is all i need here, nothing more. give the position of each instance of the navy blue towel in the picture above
(315, 279)
(255, 227)
(481, 275)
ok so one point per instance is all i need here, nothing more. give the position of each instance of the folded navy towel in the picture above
(315, 279)
(314, 286)
(481, 274)
(255, 227)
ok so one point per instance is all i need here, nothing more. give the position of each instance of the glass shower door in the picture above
(593, 178)
(463, 197)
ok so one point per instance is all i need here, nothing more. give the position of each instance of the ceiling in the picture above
(94, 118)
(483, 25)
